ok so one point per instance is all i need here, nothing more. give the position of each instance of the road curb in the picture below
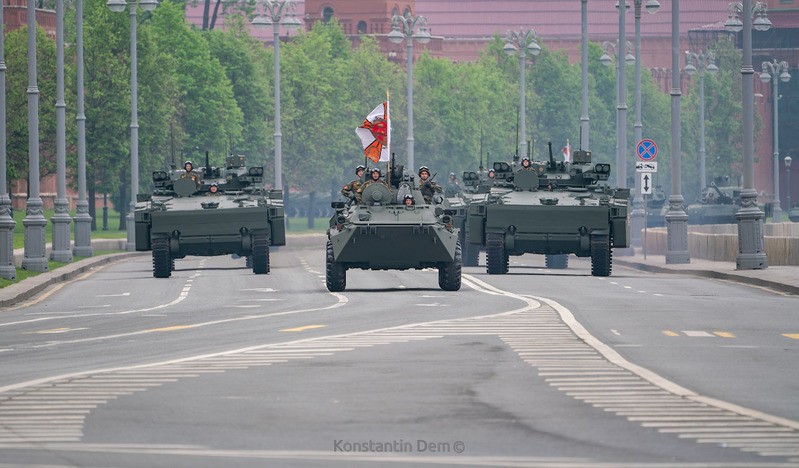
(31, 286)
(774, 285)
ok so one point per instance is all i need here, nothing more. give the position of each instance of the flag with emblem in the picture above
(567, 151)
(375, 133)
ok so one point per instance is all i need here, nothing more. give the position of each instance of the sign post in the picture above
(647, 151)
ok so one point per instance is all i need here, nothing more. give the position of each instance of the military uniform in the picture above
(429, 189)
(453, 188)
(368, 183)
(352, 189)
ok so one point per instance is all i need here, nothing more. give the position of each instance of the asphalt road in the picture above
(219, 367)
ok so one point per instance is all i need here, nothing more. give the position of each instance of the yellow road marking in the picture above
(670, 333)
(43, 332)
(166, 329)
(724, 334)
(306, 327)
(795, 336)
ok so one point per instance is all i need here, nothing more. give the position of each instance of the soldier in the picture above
(453, 186)
(351, 190)
(213, 189)
(526, 164)
(190, 174)
(374, 178)
(427, 186)
(408, 200)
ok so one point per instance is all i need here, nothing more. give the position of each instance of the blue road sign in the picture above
(647, 150)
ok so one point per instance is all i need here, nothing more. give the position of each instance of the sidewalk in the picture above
(784, 279)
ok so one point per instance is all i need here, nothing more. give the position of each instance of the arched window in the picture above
(327, 13)
(361, 27)
(407, 11)
(394, 12)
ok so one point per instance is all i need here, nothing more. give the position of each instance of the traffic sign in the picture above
(647, 150)
(646, 183)
(646, 166)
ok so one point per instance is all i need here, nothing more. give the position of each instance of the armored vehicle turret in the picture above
(381, 232)
(717, 204)
(553, 208)
(207, 212)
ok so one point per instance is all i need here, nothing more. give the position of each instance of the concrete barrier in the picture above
(719, 242)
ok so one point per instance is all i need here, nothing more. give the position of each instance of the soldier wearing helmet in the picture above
(188, 166)
(408, 200)
(526, 164)
(427, 186)
(351, 190)
(374, 178)
(453, 186)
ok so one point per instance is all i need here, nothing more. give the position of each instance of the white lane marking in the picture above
(115, 295)
(657, 294)
(260, 290)
(628, 287)
(94, 306)
(698, 334)
(615, 332)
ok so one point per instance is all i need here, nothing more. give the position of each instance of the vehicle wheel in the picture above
(335, 273)
(449, 275)
(557, 261)
(601, 255)
(248, 261)
(162, 261)
(260, 254)
(496, 256)
(471, 252)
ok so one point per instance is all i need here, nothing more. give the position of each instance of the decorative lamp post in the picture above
(405, 27)
(701, 62)
(775, 72)
(277, 13)
(751, 252)
(61, 251)
(118, 6)
(638, 213)
(7, 270)
(522, 42)
(788, 161)
(676, 218)
(34, 258)
(585, 124)
(83, 221)
(611, 51)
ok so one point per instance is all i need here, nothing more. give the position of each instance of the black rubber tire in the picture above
(260, 254)
(449, 275)
(601, 255)
(162, 261)
(471, 252)
(248, 261)
(496, 256)
(335, 273)
(557, 261)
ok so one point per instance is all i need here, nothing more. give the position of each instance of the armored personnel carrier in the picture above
(475, 184)
(213, 211)
(717, 204)
(378, 232)
(553, 208)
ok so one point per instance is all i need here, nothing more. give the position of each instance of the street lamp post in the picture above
(638, 214)
(701, 62)
(404, 27)
(61, 220)
(275, 14)
(34, 258)
(83, 221)
(751, 252)
(7, 270)
(522, 42)
(585, 124)
(676, 218)
(118, 6)
(788, 161)
(776, 71)
(611, 51)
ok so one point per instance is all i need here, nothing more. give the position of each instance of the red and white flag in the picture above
(375, 134)
(567, 151)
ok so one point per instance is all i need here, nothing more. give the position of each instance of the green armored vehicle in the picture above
(212, 211)
(555, 209)
(475, 184)
(381, 232)
(717, 204)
